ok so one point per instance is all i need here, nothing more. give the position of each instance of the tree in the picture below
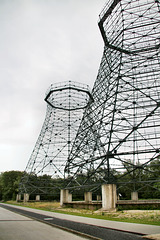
(0, 186)
(9, 183)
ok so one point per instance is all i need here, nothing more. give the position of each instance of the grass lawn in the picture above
(133, 216)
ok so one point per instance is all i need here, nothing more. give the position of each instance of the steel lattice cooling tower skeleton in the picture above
(65, 105)
(119, 133)
(120, 130)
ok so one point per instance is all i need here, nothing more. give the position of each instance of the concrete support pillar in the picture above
(88, 197)
(134, 196)
(69, 197)
(109, 196)
(18, 198)
(64, 196)
(38, 197)
(99, 198)
(26, 197)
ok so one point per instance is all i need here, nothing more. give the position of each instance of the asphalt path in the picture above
(14, 226)
(86, 230)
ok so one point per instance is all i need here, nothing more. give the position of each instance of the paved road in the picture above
(17, 227)
(97, 232)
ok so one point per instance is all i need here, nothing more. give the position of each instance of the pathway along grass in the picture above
(133, 216)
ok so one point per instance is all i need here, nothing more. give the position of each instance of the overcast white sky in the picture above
(41, 42)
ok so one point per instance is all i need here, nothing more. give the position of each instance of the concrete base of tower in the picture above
(99, 198)
(109, 197)
(134, 196)
(38, 198)
(26, 197)
(18, 198)
(65, 197)
(88, 197)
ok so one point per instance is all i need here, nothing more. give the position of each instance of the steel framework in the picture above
(120, 130)
(65, 106)
(114, 132)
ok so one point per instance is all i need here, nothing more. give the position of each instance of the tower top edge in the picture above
(68, 84)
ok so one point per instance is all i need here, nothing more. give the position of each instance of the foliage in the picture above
(9, 183)
(149, 175)
(49, 188)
